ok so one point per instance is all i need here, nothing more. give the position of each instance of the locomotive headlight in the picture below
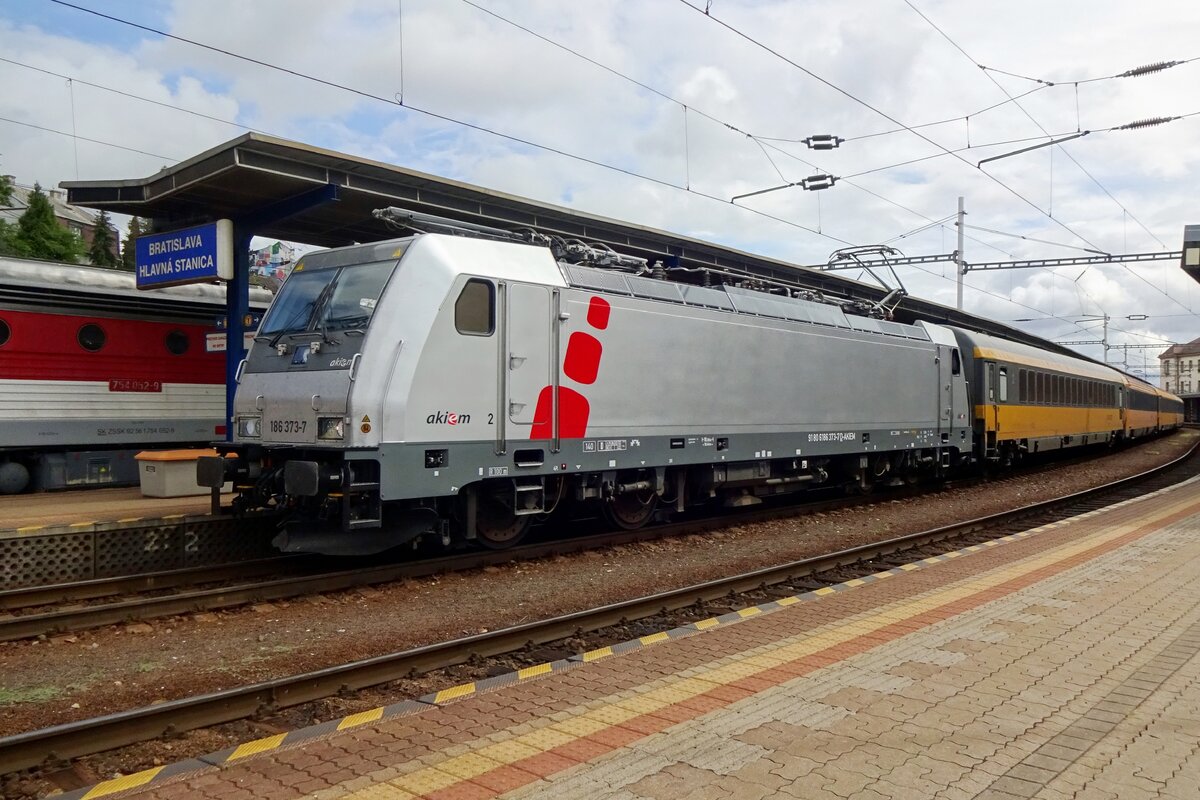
(250, 427)
(331, 428)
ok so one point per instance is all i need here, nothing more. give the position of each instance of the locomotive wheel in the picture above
(496, 526)
(629, 511)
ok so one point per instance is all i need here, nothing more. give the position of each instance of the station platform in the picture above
(49, 510)
(1058, 662)
(65, 537)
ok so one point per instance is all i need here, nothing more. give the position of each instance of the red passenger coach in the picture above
(92, 371)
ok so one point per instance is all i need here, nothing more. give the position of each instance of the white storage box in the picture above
(171, 473)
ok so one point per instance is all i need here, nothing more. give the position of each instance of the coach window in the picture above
(91, 337)
(177, 343)
(1023, 385)
(475, 309)
(5, 332)
(1004, 384)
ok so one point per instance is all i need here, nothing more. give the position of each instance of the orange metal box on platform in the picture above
(170, 473)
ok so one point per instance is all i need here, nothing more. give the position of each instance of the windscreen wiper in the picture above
(318, 303)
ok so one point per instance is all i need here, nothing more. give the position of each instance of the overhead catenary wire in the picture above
(1032, 239)
(766, 48)
(70, 135)
(999, 85)
(443, 117)
(948, 120)
(895, 121)
(465, 124)
(1043, 85)
(133, 96)
(763, 142)
(935, 223)
(1075, 161)
(1135, 72)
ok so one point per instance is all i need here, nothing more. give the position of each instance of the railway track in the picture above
(29, 615)
(73, 607)
(599, 625)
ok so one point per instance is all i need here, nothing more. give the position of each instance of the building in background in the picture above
(273, 261)
(1181, 375)
(74, 218)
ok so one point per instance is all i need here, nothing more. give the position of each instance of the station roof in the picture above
(254, 171)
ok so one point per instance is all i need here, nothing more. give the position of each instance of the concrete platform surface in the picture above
(63, 509)
(1058, 663)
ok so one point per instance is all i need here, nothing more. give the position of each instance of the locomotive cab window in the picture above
(327, 299)
(475, 309)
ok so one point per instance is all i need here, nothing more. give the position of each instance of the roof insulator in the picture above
(1158, 66)
(815, 183)
(823, 141)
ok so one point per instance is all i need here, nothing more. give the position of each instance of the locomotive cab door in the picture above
(951, 399)
(528, 362)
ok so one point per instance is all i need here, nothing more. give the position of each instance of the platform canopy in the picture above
(238, 179)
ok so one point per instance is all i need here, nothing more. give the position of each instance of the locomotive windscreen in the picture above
(327, 300)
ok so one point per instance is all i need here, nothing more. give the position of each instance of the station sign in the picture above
(192, 255)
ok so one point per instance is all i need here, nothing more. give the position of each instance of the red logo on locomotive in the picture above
(581, 364)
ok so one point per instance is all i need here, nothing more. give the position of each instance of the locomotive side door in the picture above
(527, 355)
(944, 416)
(951, 400)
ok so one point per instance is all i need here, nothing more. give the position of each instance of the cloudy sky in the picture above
(658, 113)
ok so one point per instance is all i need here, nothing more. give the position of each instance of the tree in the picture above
(7, 247)
(101, 252)
(129, 249)
(39, 235)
